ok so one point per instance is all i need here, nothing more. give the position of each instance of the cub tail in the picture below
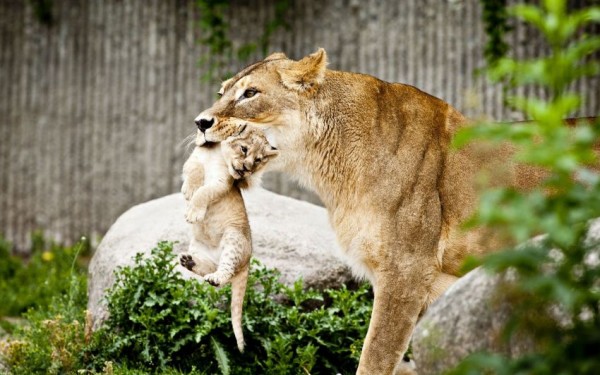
(238, 291)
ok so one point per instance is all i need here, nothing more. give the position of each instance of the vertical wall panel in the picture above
(96, 105)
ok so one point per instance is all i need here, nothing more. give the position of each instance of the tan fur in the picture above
(378, 155)
(221, 246)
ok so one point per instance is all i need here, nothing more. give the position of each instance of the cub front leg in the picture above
(202, 198)
(193, 178)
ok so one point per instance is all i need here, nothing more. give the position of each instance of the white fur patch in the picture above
(353, 258)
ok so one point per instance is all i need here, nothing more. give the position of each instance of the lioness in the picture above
(378, 155)
(221, 244)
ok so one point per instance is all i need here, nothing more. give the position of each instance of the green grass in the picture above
(33, 283)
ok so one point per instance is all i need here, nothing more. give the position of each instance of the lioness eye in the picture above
(249, 93)
(244, 150)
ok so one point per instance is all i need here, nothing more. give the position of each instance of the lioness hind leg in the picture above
(400, 296)
(404, 368)
(442, 282)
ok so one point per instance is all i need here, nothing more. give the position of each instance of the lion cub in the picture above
(221, 245)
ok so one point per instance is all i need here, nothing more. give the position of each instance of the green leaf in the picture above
(221, 357)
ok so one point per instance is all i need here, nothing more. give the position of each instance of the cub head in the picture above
(247, 153)
(266, 94)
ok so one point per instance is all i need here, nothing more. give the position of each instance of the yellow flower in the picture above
(47, 256)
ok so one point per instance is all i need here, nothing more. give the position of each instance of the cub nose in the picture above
(204, 123)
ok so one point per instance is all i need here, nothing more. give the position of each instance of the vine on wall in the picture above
(43, 11)
(495, 22)
(216, 30)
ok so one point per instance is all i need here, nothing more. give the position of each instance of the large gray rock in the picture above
(293, 236)
(468, 318)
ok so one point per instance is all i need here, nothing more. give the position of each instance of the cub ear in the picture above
(306, 74)
(240, 130)
(272, 152)
(276, 56)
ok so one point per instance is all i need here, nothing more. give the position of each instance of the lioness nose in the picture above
(204, 123)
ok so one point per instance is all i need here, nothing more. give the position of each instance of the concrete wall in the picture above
(95, 106)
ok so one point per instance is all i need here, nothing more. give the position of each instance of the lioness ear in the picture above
(306, 74)
(276, 56)
(223, 85)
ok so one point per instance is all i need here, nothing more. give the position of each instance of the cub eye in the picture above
(244, 149)
(249, 93)
(258, 160)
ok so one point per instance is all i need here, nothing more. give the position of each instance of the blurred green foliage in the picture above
(557, 288)
(52, 288)
(45, 274)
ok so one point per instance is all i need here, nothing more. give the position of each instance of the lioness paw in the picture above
(187, 261)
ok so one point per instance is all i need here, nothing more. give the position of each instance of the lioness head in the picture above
(247, 152)
(225, 129)
(267, 94)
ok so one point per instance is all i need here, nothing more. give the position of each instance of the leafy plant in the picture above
(561, 272)
(160, 320)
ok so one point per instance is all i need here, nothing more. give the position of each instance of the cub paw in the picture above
(187, 261)
(236, 169)
(195, 215)
(187, 191)
(212, 279)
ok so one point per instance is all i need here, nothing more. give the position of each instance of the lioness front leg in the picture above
(401, 291)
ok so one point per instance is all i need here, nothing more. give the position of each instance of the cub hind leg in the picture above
(196, 260)
(236, 249)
